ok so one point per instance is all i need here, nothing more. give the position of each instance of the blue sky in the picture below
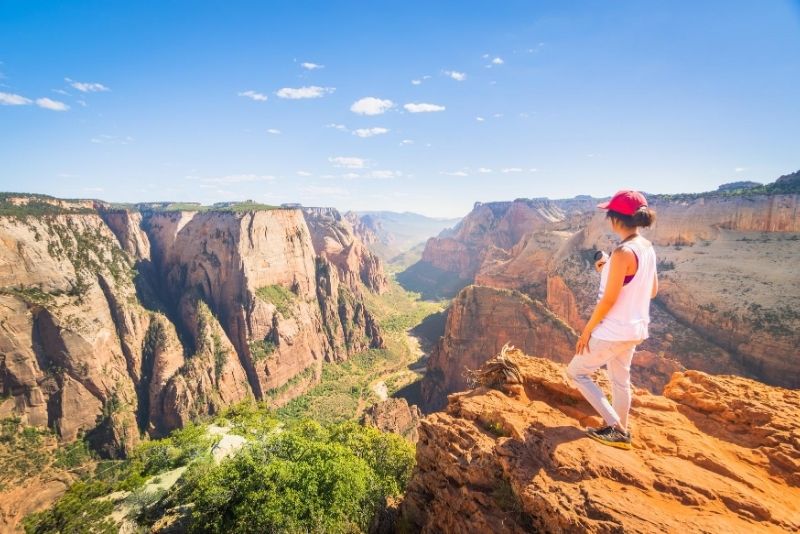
(466, 101)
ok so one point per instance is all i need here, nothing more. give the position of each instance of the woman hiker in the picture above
(620, 318)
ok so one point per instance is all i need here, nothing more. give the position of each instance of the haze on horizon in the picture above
(402, 106)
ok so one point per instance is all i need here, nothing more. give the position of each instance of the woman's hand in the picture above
(583, 342)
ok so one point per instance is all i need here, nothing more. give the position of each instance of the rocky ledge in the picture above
(713, 454)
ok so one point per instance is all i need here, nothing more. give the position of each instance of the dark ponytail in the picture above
(643, 217)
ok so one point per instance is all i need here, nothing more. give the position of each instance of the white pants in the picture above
(616, 356)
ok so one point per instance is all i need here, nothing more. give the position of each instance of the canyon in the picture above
(122, 321)
(727, 303)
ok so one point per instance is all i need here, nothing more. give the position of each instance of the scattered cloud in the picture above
(303, 173)
(533, 169)
(336, 126)
(371, 106)
(423, 107)
(510, 169)
(454, 74)
(10, 99)
(53, 105)
(61, 92)
(740, 169)
(298, 93)
(406, 142)
(253, 95)
(484, 170)
(497, 115)
(453, 173)
(274, 131)
(497, 61)
(348, 162)
(87, 87)
(384, 175)
(370, 132)
(479, 119)
(82, 103)
(311, 66)
(104, 139)
(416, 82)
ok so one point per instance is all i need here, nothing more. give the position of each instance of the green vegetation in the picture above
(785, 185)
(24, 450)
(30, 294)
(288, 478)
(24, 205)
(261, 349)
(307, 478)
(282, 298)
(303, 375)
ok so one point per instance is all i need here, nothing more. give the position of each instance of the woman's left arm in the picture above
(621, 259)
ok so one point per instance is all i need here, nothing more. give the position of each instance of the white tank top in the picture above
(628, 318)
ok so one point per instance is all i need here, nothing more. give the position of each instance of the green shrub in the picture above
(307, 478)
(78, 511)
(281, 297)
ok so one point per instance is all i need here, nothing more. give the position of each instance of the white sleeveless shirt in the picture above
(629, 317)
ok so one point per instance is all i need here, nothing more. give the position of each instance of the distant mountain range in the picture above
(392, 235)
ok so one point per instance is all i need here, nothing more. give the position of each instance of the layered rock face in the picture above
(727, 302)
(335, 240)
(394, 415)
(116, 322)
(480, 321)
(715, 454)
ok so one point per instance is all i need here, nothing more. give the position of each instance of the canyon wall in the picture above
(728, 303)
(116, 322)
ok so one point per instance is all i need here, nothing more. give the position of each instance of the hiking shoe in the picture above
(597, 429)
(610, 436)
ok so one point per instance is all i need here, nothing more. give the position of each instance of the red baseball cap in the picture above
(625, 202)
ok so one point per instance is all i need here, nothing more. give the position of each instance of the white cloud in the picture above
(479, 119)
(370, 132)
(311, 66)
(510, 169)
(82, 103)
(454, 74)
(497, 115)
(311, 91)
(10, 99)
(497, 61)
(533, 169)
(274, 131)
(87, 87)
(303, 173)
(336, 126)
(454, 173)
(350, 175)
(416, 82)
(407, 142)
(422, 107)
(384, 175)
(54, 105)
(348, 162)
(253, 95)
(484, 170)
(104, 139)
(739, 169)
(371, 106)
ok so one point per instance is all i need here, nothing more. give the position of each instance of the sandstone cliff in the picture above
(715, 454)
(117, 322)
(727, 301)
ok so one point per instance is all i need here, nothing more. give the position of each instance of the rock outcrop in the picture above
(394, 415)
(116, 322)
(727, 304)
(482, 319)
(714, 454)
